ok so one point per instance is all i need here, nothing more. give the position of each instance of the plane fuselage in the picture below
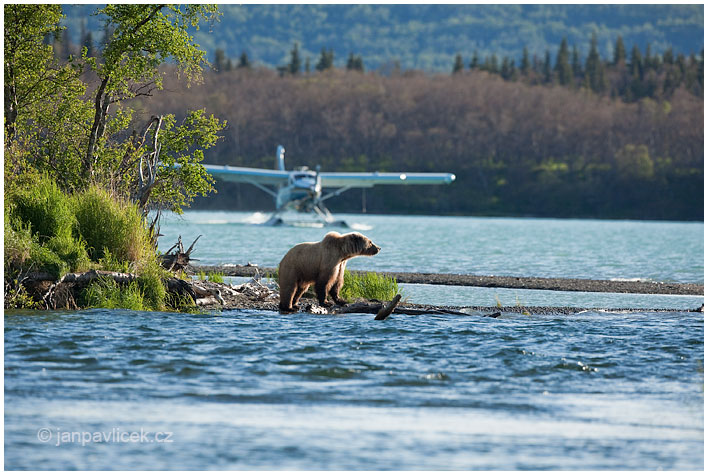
(302, 191)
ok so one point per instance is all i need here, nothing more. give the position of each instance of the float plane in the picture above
(301, 189)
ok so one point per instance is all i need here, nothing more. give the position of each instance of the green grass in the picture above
(44, 207)
(216, 277)
(107, 223)
(106, 293)
(369, 286)
(48, 230)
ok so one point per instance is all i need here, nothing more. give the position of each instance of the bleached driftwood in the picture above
(180, 258)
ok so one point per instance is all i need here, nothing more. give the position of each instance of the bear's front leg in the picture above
(337, 284)
(335, 293)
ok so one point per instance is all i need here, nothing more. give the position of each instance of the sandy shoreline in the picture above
(512, 282)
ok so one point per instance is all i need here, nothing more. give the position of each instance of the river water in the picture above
(112, 389)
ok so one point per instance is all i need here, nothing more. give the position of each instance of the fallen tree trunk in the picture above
(386, 311)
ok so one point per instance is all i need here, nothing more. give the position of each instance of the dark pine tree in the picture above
(355, 63)
(295, 61)
(525, 65)
(636, 64)
(326, 61)
(244, 61)
(219, 60)
(619, 54)
(458, 64)
(595, 78)
(563, 70)
(475, 61)
(546, 69)
(576, 63)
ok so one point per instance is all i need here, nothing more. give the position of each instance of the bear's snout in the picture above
(373, 250)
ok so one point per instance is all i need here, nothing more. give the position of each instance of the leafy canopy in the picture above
(73, 120)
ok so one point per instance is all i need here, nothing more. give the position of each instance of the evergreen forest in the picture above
(584, 129)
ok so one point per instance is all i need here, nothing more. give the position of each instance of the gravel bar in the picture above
(551, 284)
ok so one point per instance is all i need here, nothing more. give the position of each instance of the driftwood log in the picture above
(178, 259)
(387, 310)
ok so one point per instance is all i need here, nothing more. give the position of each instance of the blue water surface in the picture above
(257, 390)
(252, 390)
(556, 248)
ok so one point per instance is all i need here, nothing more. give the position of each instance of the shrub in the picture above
(44, 207)
(71, 250)
(109, 263)
(18, 243)
(369, 286)
(108, 223)
(151, 285)
(44, 259)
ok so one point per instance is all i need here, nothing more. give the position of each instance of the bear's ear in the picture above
(352, 244)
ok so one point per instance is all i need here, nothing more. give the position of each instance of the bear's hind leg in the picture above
(287, 294)
(299, 293)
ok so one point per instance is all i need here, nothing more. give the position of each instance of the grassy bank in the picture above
(47, 230)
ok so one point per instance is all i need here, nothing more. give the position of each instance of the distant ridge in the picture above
(427, 37)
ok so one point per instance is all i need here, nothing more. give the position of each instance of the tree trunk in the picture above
(97, 128)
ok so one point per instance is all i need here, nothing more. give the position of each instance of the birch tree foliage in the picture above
(84, 129)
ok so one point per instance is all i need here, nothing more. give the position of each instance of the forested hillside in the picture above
(427, 37)
(607, 122)
(516, 148)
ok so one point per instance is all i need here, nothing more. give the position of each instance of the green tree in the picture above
(475, 61)
(576, 63)
(354, 63)
(295, 61)
(508, 70)
(326, 61)
(634, 162)
(525, 65)
(31, 74)
(668, 57)
(619, 54)
(547, 71)
(55, 125)
(563, 70)
(595, 78)
(244, 61)
(458, 64)
(145, 36)
(219, 60)
(490, 64)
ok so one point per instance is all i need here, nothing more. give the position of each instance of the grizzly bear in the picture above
(321, 263)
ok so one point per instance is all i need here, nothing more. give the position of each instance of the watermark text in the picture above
(58, 436)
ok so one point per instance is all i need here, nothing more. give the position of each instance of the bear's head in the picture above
(355, 244)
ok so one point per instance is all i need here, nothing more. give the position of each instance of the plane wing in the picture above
(370, 179)
(248, 174)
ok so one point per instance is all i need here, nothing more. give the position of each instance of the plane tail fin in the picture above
(280, 158)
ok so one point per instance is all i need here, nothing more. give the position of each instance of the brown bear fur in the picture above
(322, 264)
